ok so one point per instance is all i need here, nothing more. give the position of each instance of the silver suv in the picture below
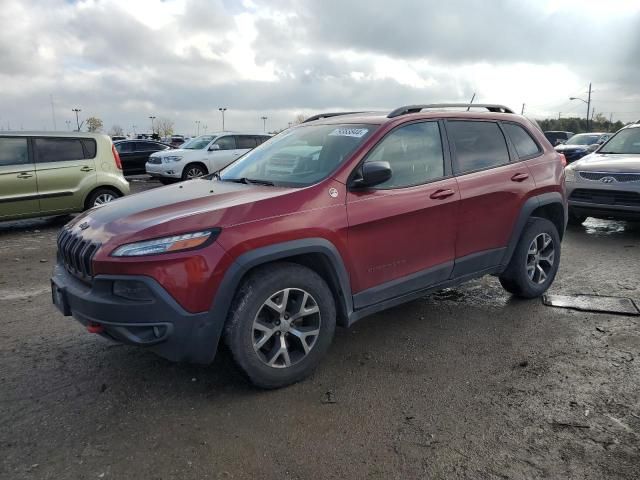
(606, 183)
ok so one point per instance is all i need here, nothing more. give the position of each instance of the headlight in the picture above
(171, 158)
(176, 243)
(570, 174)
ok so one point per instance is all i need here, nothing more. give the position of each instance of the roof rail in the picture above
(327, 115)
(417, 108)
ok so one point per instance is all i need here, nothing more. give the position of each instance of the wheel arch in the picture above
(89, 194)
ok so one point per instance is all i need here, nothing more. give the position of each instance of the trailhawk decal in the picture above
(349, 132)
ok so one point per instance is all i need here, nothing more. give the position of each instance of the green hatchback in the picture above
(53, 173)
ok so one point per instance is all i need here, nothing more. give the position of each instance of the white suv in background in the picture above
(202, 155)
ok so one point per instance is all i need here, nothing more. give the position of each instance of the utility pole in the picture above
(472, 99)
(559, 115)
(610, 121)
(77, 110)
(53, 113)
(264, 124)
(588, 105)
(68, 122)
(204, 129)
(198, 124)
(133, 127)
(222, 110)
(152, 119)
(522, 112)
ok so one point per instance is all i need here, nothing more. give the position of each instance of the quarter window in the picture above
(226, 143)
(13, 151)
(58, 149)
(478, 145)
(245, 141)
(525, 146)
(414, 153)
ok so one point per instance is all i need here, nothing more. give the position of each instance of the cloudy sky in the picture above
(124, 60)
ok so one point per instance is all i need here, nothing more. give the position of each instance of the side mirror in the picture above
(371, 174)
(213, 147)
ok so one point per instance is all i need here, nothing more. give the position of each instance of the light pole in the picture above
(222, 110)
(264, 124)
(588, 102)
(152, 119)
(68, 122)
(198, 124)
(133, 127)
(77, 110)
(204, 129)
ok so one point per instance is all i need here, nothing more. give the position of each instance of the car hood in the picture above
(606, 162)
(187, 206)
(565, 148)
(172, 152)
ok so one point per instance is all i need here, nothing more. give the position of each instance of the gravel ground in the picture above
(466, 383)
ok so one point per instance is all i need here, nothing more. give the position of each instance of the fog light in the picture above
(132, 290)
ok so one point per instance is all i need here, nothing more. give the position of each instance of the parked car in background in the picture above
(48, 173)
(135, 154)
(556, 137)
(202, 155)
(176, 140)
(606, 183)
(115, 138)
(330, 221)
(582, 144)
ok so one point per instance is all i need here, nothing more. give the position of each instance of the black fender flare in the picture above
(527, 209)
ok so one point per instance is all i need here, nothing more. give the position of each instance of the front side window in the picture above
(478, 145)
(58, 149)
(300, 156)
(13, 151)
(414, 153)
(226, 143)
(626, 141)
(198, 143)
(525, 146)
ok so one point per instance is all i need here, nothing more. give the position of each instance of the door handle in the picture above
(86, 169)
(520, 177)
(25, 175)
(442, 194)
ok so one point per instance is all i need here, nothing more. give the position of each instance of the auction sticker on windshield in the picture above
(349, 132)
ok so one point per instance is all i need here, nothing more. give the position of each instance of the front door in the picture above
(64, 172)
(18, 186)
(223, 155)
(402, 232)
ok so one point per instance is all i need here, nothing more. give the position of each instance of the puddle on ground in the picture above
(596, 226)
(592, 303)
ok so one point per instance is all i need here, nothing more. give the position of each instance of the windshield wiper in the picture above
(248, 181)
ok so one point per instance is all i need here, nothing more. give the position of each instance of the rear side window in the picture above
(124, 147)
(58, 149)
(246, 141)
(89, 145)
(478, 145)
(261, 139)
(414, 153)
(525, 146)
(13, 151)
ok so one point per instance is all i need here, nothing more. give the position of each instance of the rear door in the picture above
(18, 186)
(244, 143)
(66, 172)
(492, 188)
(127, 153)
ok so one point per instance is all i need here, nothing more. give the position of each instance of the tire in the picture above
(576, 219)
(538, 259)
(259, 324)
(194, 170)
(101, 196)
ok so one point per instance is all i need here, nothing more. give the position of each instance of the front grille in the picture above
(76, 254)
(606, 197)
(155, 160)
(619, 177)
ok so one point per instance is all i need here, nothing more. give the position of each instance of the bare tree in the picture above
(116, 130)
(299, 119)
(94, 124)
(164, 126)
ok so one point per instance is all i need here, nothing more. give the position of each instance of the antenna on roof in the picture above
(472, 99)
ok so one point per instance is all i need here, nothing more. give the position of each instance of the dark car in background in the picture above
(556, 137)
(177, 140)
(582, 144)
(135, 154)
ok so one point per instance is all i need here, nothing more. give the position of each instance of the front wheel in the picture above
(535, 260)
(281, 324)
(194, 170)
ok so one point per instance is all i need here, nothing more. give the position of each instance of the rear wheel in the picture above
(194, 170)
(281, 324)
(535, 261)
(100, 197)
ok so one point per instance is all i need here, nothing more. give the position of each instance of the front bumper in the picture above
(166, 170)
(158, 323)
(595, 199)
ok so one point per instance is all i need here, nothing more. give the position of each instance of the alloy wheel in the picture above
(104, 198)
(540, 258)
(194, 172)
(286, 327)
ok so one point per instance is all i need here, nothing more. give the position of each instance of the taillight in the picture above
(563, 159)
(116, 157)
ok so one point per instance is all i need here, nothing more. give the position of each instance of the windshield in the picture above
(299, 157)
(198, 143)
(583, 140)
(625, 141)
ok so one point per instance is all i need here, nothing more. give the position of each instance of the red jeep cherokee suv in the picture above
(323, 224)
